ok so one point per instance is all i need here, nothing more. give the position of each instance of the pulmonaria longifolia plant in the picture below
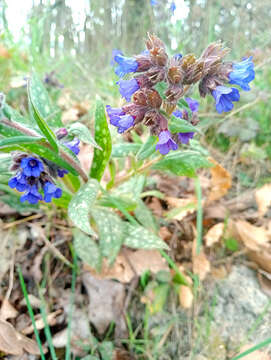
(42, 152)
(157, 89)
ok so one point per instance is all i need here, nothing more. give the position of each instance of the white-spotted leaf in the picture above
(138, 237)
(87, 249)
(111, 231)
(81, 204)
(125, 149)
(82, 133)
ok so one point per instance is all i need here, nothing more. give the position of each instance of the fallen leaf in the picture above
(255, 355)
(214, 234)
(181, 207)
(263, 198)
(51, 321)
(201, 265)
(7, 311)
(164, 233)
(185, 296)
(220, 181)
(253, 237)
(14, 343)
(106, 301)
(130, 263)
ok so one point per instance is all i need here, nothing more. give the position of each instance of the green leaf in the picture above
(14, 115)
(148, 148)
(48, 154)
(81, 204)
(19, 140)
(180, 125)
(103, 139)
(121, 201)
(138, 237)
(82, 132)
(183, 163)
(8, 131)
(106, 349)
(183, 104)
(87, 249)
(124, 149)
(39, 109)
(161, 88)
(160, 297)
(64, 201)
(133, 186)
(111, 231)
(144, 216)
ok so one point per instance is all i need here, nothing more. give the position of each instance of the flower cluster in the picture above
(35, 175)
(152, 104)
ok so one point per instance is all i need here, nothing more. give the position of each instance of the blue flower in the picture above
(114, 53)
(31, 166)
(32, 195)
(223, 98)
(172, 7)
(62, 172)
(153, 2)
(242, 73)
(165, 143)
(126, 65)
(51, 191)
(193, 104)
(185, 137)
(119, 119)
(127, 88)
(73, 145)
(19, 182)
(178, 56)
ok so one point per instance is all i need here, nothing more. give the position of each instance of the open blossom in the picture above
(115, 52)
(73, 145)
(18, 182)
(242, 73)
(224, 96)
(31, 166)
(127, 88)
(51, 191)
(119, 119)
(32, 195)
(165, 143)
(185, 137)
(126, 65)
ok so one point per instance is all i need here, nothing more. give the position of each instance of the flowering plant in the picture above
(42, 153)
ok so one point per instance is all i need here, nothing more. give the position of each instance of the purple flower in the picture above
(126, 65)
(31, 166)
(73, 145)
(172, 7)
(178, 56)
(51, 191)
(32, 195)
(193, 104)
(119, 119)
(19, 182)
(114, 53)
(224, 96)
(185, 137)
(165, 143)
(127, 88)
(242, 73)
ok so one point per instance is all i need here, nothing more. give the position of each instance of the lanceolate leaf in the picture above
(82, 132)
(144, 216)
(103, 139)
(81, 204)
(19, 140)
(180, 125)
(8, 131)
(183, 163)
(111, 231)
(148, 148)
(140, 238)
(87, 249)
(38, 107)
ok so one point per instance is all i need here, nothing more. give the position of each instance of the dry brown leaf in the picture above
(220, 181)
(185, 297)
(51, 321)
(253, 237)
(182, 203)
(214, 234)
(7, 311)
(263, 198)
(122, 270)
(106, 302)
(219, 272)
(201, 265)
(14, 343)
(164, 233)
(255, 355)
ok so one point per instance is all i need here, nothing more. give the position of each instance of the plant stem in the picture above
(62, 153)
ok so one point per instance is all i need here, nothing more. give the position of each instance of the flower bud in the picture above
(153, 98)
(175, 74)
(174, 93)
(157, 50)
